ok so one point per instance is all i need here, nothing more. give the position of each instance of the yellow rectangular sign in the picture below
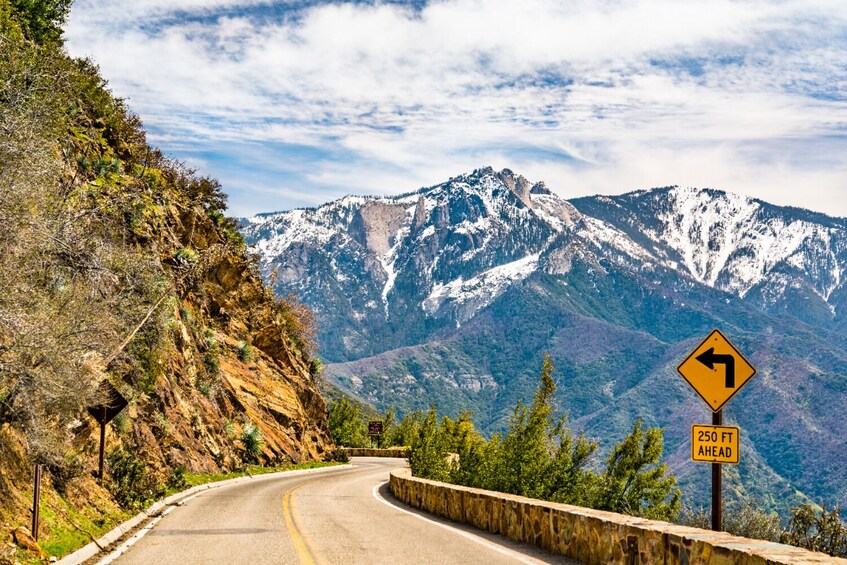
(714, 444)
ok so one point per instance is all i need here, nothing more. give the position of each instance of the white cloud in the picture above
(592, 96)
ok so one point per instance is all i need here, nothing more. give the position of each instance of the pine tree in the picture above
(634, 481)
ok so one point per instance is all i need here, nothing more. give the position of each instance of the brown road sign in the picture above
(716, 370)
(714, 444)
(375, 428)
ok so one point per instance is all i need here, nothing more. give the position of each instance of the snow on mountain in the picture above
(478, 291)
(449, 250)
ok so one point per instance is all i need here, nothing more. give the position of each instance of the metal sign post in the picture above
(36, 501)
(716, 370)
(375, 429)
(717, 476)
(112, 405)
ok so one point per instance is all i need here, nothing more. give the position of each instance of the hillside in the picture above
(120, 265)
(451, 294)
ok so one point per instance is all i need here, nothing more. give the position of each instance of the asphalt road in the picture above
(339, 516)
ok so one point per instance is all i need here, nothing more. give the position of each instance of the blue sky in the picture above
(296, 103)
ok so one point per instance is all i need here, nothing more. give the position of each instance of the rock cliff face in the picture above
(126, 270)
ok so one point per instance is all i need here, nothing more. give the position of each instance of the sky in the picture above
(296, 103)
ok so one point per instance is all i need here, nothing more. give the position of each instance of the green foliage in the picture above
(634, 481)
(41, 21)
(131, 482)
(244, 352)
(743, 518)
(525, 452)
(176, 479)
(316, 367)
(186, 256)
(428, 456)
(818, 531)
(404, 433)
(540, 457)
(252, 440)
(347, 426)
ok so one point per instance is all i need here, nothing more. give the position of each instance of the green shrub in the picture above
(186, 256)
(176, 478)
(131, 482)
(244, 351)
(252, 440)
(817, 531)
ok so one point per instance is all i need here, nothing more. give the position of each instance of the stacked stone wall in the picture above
(367, 452)
(591, 536)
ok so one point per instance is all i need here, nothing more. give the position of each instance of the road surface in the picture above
(338, 516)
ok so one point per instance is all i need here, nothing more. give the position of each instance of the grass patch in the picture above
(194, 479)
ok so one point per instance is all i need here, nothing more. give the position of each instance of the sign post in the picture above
(36, 501)
(716, 370)
(111, 406)
(375, 429)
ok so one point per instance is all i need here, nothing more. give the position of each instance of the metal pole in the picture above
(717, 420)
(36, 501)
(102, 444)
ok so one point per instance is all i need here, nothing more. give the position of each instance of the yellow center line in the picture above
(304, 552)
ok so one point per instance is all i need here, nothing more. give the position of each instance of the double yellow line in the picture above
(304, 552)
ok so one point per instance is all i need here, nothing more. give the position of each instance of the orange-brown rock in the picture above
(24, 539)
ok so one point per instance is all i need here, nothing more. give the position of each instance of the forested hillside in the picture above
(120, 265)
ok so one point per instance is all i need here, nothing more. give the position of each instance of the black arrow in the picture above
(709, 358)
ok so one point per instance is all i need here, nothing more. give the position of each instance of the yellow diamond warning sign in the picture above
(716, 370)
(714, 444)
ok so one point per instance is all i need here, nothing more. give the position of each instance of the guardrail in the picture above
(591, 536)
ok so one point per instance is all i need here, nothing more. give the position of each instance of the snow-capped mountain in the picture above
(450, 294)
(779, 258)
(446, 252)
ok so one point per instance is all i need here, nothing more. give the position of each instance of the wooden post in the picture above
(717, 420)
(102, 444)
(36, 501)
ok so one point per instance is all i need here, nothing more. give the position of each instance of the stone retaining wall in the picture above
(591, 536)
(368, 452)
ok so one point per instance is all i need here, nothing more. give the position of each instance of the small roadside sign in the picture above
(375, 428)
(716, 370)
(715, 444)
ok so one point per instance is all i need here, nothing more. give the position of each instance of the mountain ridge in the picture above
(476, 277)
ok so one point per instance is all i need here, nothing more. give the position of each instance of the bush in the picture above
(634, 481)
(186, 257)
(817, 531)
(131, 482)
(252, 440)
(244, 352)
(176, 479)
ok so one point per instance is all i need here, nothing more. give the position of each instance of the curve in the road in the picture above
(339, 516)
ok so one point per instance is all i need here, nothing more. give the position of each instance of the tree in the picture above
(634, 481)
(567, 477)
(346, 425)
(525, 453)
(428, 456)
(41, 21)
(407, 430)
